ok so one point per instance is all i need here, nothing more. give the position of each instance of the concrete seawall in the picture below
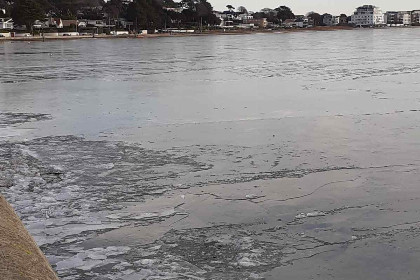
(20, 257)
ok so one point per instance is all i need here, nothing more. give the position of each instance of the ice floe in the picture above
(310, 215)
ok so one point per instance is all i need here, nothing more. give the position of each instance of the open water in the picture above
(263, 156)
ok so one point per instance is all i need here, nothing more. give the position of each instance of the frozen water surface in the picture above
(265, 156)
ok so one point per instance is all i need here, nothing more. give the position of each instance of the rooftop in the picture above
(5, 19)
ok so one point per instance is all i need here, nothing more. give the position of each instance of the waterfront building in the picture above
(245, 16)
(124, 23)
(327, 19)
(289, 23)
(48, 22)
(401, 18)
(99, 23)
(227, 19)
(69, 22)
(298, 22)
(391, 18)
(406, 18)
(344, 19)
(415, 17)
(259, 22)
(6, 23)
(368, 16)
(230, 19)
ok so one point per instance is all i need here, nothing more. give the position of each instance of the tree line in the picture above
(145, 14)
(275, 16)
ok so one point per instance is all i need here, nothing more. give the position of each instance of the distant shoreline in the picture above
(205, 33)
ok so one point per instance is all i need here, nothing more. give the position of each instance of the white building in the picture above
(96, 23)
(336, 20)
(6, 23)
(227, 19)
(299, 22)
(245, 17)
(368, 15)
(231, 19)
(406, 18)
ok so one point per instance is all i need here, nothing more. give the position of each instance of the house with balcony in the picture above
(401, 18)
(368, 16)
(391, 18)
(228, 19)
(415, 17)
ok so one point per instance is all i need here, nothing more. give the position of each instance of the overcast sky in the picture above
(320, 6)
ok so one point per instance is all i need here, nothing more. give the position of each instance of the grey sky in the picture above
(320, 6)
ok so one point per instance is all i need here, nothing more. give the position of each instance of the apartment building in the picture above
(367, 16)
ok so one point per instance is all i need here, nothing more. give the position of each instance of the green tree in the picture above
(242, 10)
(204, 11)
(284, 12)
(25, 12)
(70, 8)
(197, 13)
(146, 14)
(114, 8)
(3, 5)
(2, 14)
(169, 3)
(343, 19)
(230, 8)
(270, 15)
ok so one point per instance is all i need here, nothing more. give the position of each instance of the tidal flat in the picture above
(261, 156)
